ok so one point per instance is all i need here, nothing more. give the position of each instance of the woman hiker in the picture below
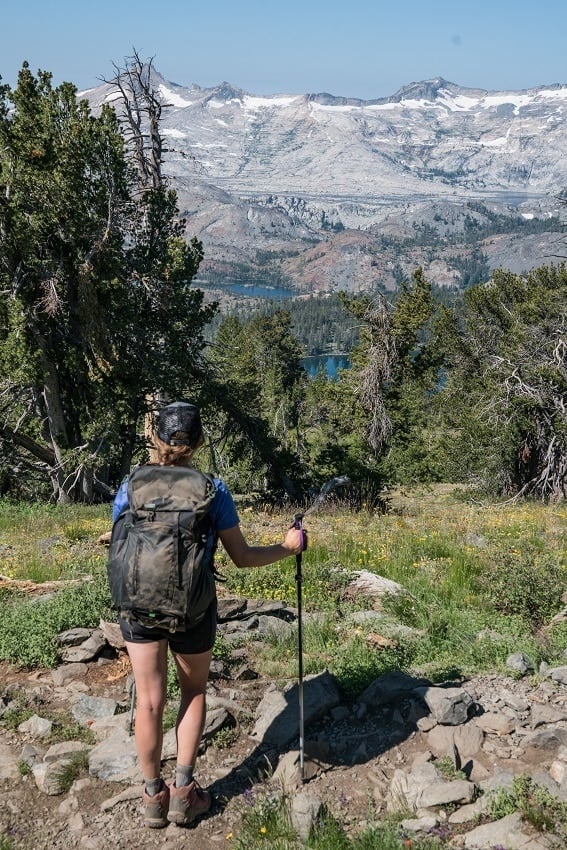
(179, 435)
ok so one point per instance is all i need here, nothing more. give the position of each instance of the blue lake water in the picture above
(253, 290)
(329, 363)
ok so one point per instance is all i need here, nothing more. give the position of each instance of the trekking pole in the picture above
(299, 581)
(340, 481)
(132, 705)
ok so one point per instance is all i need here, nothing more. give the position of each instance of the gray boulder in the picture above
(449, 706)
(278, 713)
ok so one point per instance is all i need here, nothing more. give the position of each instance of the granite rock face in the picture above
(283, 171)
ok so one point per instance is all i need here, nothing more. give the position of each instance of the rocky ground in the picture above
(435, 752)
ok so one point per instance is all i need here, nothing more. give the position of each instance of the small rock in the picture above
(37, 727)
(497, 833)
(425, 724)
(520, 663)
(230, 608)
(31, 755)
(65, 750)
(496, 723)
(68, 806)
(559, 674)
(245, 674)
(340, 712)
(474, 539)
(63, 674)
(88, 708)
(305, 809)
(546, 714)
(442, 793)
(76, 822)
(114, 759)
(558, 771)
(87, 650)
(470, 812)
(371, 584)
(73, 637)
(423, 824)
(48, 776)
(449, 706)
(8, 763)
(112, 634)
(134, 792)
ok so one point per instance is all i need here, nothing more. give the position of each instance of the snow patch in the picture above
(528, 216)
(550, 94)
(458, 103)
(323, 107)
(173, 98)
(517, 100)
(252, 103)
(382, 107)
(501, 142)
(175, 134)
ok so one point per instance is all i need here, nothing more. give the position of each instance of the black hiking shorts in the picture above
(191, 642)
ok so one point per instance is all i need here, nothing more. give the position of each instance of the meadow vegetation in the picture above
(480, 581)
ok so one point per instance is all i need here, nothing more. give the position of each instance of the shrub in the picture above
(30, 627)
(527, 582)
(537, 805)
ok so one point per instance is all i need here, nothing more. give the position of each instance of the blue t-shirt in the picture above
(223, 511)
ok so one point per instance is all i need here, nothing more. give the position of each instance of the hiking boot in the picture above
(187, 803)
(155, 808)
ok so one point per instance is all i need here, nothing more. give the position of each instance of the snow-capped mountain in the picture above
(263, 171)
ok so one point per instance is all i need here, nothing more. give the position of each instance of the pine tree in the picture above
(97, 311)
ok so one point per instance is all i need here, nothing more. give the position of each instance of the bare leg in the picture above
(149, 665)
(193, 672)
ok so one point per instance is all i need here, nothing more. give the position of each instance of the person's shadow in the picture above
(383, 716)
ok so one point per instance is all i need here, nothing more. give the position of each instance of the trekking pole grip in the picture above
(298, 524)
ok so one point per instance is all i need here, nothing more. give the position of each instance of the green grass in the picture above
(42, 542)
(480, 582)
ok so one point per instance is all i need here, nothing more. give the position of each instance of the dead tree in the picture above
(141, 106)
(375, 377)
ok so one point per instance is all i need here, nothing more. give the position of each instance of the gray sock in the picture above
(183, 775)
(153, 786)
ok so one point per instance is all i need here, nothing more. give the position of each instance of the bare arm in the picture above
(244, 555)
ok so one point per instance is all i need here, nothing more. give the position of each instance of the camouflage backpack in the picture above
(159, 570)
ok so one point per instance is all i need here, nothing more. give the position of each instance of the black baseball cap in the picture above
(179, 424)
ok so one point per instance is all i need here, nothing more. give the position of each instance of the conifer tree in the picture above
(96, 306)
(505, 400)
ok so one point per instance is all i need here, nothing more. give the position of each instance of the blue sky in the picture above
(356, 48)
